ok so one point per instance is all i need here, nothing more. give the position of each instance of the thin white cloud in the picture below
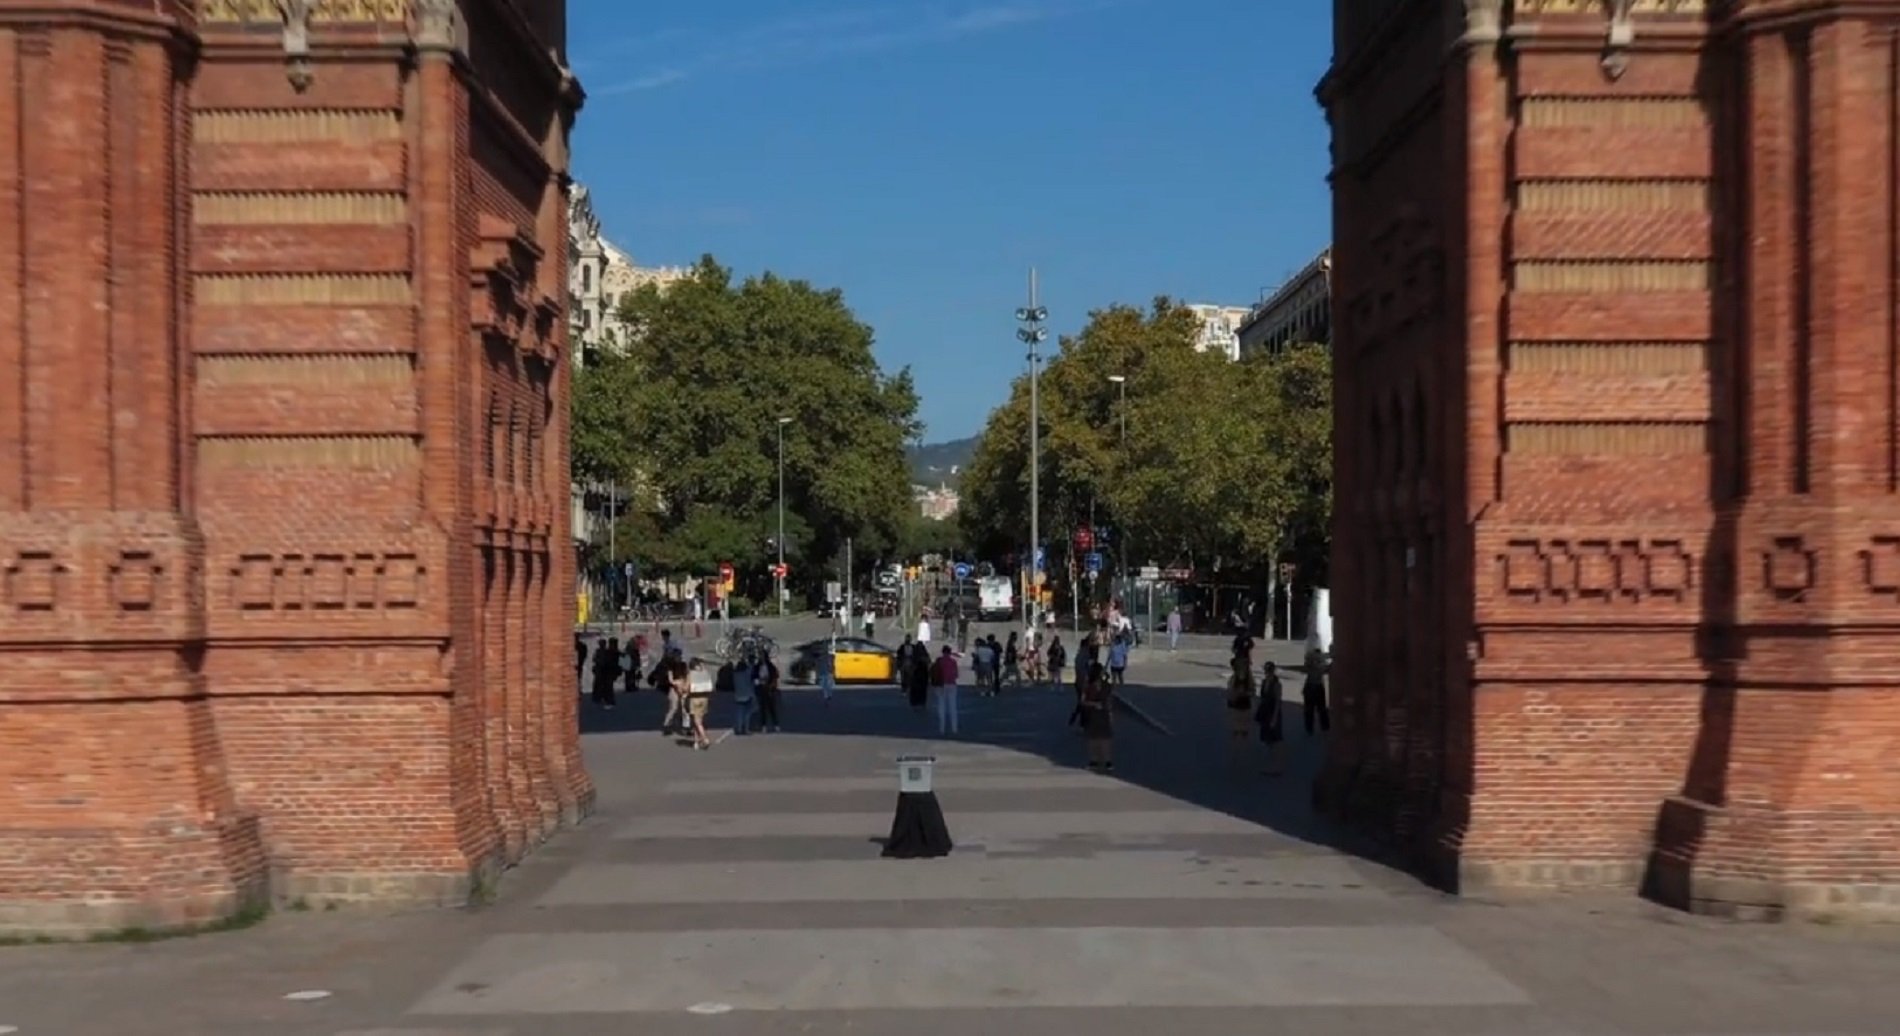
(820, 35)
(650, 81)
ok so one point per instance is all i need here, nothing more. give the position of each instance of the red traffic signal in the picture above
(1084, 538)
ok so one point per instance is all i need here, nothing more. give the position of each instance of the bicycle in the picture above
(744, 643)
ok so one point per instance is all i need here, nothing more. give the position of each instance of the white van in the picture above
(1319, 622)
(996, 597)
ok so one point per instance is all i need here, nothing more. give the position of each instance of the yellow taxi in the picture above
(854, 660)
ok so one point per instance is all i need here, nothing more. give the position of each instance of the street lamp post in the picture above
(1121, 410)
(1033, 335)
(778, 574)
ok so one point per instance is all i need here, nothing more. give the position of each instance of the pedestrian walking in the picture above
(923, 630)
(744, 696)
(1012, 662)
(1098, 720)
(996, 666)
(1174, 629)
(580, 661)
(1313, 693)
(1240, 707)
(765, 679)
(1270, 718)
(920, 670)
(900, 665)
(673, 676)
(980, 662)
(1118, 660)
(944, 677)
(828, 671)
(699, 692)
(1058, 660)
(870, 623)
(606, 671)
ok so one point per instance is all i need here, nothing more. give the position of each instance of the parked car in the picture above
(856, 660)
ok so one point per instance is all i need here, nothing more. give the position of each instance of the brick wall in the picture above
(271, 626)
(1615, 625)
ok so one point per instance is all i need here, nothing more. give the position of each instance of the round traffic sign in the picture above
(962, 570)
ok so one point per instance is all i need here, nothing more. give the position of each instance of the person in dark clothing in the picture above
(919, 677)
(1313, 693)
(1058, 659)
(580, 658)
(1096, 704)
(1270, 719)
(766, 682)
(606, 671)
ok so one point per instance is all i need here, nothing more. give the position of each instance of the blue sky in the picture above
(923, 154)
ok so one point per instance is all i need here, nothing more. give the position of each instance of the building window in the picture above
(587, 278)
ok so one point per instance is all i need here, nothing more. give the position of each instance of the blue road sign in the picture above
(1042, 559)
(1094, 561)
(962, 570)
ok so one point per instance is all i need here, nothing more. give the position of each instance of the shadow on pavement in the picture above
(1194, 761)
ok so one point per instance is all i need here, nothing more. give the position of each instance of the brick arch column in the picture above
(115, 805)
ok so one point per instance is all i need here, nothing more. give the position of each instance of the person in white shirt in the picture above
(923, 631)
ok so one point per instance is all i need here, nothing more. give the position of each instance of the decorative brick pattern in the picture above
(244, 521)
(322, 11)
(1672, 454)
(326, 582)
(34, 579)
(1565, 571)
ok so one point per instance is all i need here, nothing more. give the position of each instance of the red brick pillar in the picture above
(114, 805)
(449, 397)
(1793, 806)
(1477, 196)
(575, 788)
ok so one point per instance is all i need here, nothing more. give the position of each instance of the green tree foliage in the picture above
(689, 415)
(1221, 461)
(1303, 376)
(931, 536)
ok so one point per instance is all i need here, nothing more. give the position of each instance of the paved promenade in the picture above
(739, 891)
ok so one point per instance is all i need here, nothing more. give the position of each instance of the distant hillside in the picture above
(937, 462)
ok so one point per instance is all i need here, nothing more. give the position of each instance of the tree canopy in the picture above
(689, 415)
(1221, 463)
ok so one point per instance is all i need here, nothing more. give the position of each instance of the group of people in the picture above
(925, 678)
(688, 683)
(1259, 707)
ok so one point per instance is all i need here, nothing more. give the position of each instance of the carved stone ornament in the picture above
(1484, 20)
(438, 25)
(1616, 56)
(296, 17)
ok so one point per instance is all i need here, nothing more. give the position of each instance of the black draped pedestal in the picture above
(918, 831)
